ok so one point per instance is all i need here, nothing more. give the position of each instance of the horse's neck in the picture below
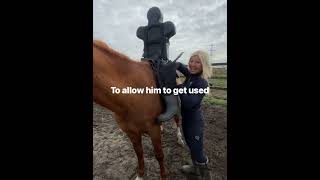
(111, 63)
(117, 70)
(120, 67)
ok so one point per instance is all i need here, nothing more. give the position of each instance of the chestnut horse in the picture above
(134, 113)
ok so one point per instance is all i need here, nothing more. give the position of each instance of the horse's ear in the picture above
(100, 44)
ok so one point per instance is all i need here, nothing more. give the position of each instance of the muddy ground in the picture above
(114, 157)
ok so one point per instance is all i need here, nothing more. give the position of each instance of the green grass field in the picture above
(214, 101)
(218, 82)
(219, 73)
(218, 79)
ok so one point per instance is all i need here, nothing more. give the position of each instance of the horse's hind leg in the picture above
(156, 142)
(136, 141)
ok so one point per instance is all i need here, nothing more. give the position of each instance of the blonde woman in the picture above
(197, 75)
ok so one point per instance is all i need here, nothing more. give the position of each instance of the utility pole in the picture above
(211, 49)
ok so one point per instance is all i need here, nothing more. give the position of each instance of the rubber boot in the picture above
(172, 108)
(167, 76)
(199, 170)
(204, 172)
(190, 170)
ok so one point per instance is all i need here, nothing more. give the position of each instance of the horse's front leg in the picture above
(157, 148)
(136, 141)
(178, 125)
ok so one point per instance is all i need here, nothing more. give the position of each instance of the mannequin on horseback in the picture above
(156, 37)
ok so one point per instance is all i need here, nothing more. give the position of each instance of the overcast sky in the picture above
(199, 23)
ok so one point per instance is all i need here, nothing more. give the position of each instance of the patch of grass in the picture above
(218, 82)
(213, 101)
(219, 72)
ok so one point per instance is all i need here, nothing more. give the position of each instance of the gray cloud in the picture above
(198, 24)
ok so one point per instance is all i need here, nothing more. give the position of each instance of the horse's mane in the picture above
(109, 51)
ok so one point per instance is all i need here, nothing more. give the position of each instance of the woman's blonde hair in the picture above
(204, 58)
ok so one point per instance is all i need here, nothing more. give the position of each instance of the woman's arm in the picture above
(184, 70)
(190, 101)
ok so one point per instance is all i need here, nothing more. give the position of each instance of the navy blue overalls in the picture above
(192, 118)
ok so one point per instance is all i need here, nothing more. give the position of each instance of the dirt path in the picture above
(114, 157)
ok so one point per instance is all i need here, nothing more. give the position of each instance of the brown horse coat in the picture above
(135, 113)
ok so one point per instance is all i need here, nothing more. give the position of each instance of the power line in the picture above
(211, 49)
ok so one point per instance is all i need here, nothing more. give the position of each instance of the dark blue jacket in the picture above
(192, 118)
(191, 102)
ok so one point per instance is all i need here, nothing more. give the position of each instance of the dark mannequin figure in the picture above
(156, 37)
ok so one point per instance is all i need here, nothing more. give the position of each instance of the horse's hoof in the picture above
(139, 178)
(163, 178)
